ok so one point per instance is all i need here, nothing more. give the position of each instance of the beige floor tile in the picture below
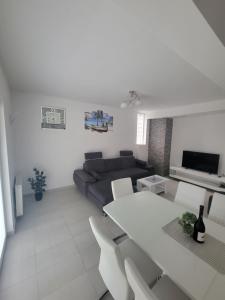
(77, 228)
(90, 256)
(56, 254)
(58, 275)
(85, 240)
(79, 289)
(96, 280)
(13, 273)
(25, 290)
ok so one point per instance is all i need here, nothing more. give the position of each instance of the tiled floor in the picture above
(53, 255)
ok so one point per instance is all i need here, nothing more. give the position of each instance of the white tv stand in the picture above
(209, 181)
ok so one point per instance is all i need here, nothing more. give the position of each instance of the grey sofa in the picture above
(94, 180)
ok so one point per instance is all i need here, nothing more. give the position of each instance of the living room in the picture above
(111, 100)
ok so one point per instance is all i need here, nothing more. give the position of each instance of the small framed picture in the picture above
(98, 121)
(53, 117)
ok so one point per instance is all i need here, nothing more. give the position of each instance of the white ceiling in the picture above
(92, 50)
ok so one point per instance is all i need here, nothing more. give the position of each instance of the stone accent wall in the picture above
(160, 135)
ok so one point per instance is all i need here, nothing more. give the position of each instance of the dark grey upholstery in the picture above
(97, 165)
(128, 162)
(101, 193)
(126, 153)
(94, 180)
(83, 179)
(134, 173)
(92, 155)
(112, 164)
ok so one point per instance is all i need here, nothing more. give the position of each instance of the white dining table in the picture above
(142, 216)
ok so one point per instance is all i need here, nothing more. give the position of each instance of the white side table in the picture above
(155, 184)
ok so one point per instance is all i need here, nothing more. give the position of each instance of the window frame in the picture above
(141, 138)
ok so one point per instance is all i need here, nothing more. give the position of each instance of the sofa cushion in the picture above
(96, 165)
(96, 175)
(134, 173)
(83, 176)
(113, 164)
(102, 191)
(106, 175)
(106, 165)
(128, 162)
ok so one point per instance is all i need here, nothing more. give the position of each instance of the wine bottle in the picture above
(199, 227)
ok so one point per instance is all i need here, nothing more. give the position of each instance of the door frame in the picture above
(2, 129)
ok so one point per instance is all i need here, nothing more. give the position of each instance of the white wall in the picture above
(204, 133)
(59, 152)
(6, 151)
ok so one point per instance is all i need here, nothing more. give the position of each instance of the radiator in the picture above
(19, 195)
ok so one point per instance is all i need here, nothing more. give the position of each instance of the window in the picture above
(141, 129)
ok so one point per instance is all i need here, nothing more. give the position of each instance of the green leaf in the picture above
(187, 221)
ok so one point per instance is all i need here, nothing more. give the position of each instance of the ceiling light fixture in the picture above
(133, 100)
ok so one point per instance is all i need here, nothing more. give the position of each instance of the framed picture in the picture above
(53, 117)
(98, 121)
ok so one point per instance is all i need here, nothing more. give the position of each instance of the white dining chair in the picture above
(190, 196)
(164, 288)
(121, 187)
(217, 209)
(111, 264)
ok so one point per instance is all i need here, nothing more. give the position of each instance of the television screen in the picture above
(206, 162)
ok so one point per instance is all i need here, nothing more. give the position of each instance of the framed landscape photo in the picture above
(53, 117)
(98, 121)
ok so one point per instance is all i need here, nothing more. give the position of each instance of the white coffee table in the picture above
(154, 183)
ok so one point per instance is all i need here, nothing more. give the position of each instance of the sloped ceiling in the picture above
(95, 51)
(214, 13)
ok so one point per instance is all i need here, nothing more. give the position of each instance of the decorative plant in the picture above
(187, 222)
(38, 183)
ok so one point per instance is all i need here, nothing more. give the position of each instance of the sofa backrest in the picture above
(110, 164)
(96, 165)
(128, 162)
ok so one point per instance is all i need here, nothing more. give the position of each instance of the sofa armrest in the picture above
(83, 176)
(141, 163)
(144, 165)
(150, 168)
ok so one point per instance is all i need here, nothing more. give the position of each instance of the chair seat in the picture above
(149, 270)
(166, 289)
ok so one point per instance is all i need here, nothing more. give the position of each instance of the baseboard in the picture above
(61, 188)
(54, 189)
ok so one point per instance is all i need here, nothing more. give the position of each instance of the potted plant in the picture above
(38, 184)
(187, 222)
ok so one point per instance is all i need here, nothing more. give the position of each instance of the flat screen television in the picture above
(205, 162)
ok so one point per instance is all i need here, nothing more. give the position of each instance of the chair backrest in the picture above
(217, 209)
(121, 187)
(190, 195)
(137, 283)
(111, 266)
